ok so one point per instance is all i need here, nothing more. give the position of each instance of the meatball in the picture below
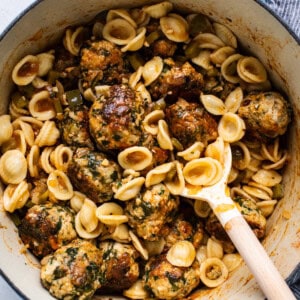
(101, 62)
(163, 48)
(190, 122)
(93, 173)
(166, 281)
(176, 80)
(149, 212)
(115, 119)
(266, 114)
(74, 127)
(47, 227)
(72, 271)
(119, 269)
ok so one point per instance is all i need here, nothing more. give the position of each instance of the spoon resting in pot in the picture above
(249, 247)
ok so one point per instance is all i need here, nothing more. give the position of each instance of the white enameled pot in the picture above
(259, 32)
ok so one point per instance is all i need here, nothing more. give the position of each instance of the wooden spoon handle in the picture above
(258, 261)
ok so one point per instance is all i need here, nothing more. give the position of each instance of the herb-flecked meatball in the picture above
(150, 211)
(75, 127)
(190, 122)
(101, 62)
(72, 271)
(266, 114)
(119, 269)
(93, 173)
(116, 118)
(169, 282)
(47, 227)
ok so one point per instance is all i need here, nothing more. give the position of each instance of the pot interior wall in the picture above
(259, 32)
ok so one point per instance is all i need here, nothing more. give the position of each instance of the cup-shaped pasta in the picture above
(87, 215)
(33, 160)
(155, 247)
(213, 104)
(136, 291)
(174, 27)
(138, 245)
(6, 128)
(137, 42)
(59, 185)
(267, 177)
(257, 192)
(130, 189)
(181, 254)
(119, 31)
(251, 70)
(120, 234)
(61, 157)
(158, 174)
(208, 270)
(266, 207)
(214, 248)
(209, 41)
(140, 17)
(229, 68)
(46, 61)
(83, 233)
(17, 141)
(216, 150)
(163, 136)
(15, 196)
(152, 69)
(45, 162)
(144, 93)
(48, 134)
(111, 213)
(244, 156)
(225, 34)
(41, 106)
(158, 10)
(27, 130)
(201, 254)
(25, 70)
(77, 201)
(150, 122)
(175, 183)
(193, 152)
(39, 83)
(136, 158)
(135, 77)
(13, 167)
(120, 13)
(73, 40)
(202, 208)
(232, 261)
(231, 127)
(234, 100)
(203, 60)
(202, 171)
(220, 55)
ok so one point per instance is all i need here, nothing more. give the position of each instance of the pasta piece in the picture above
(140, 17)
(32, 161)
(41, 106)
(231, 127)
(27, 130)
(46, 61)
(77, 201)
(203, 59)
(136, 291)
(175, 183)
(158, 10)
(151, 120)
(85, 234)
(261, 186)
(277, 165)
(201, 254)
(213, 104)
(267, 177)
(136, 158)
(214, 248)
(152, 69)
(158, 174)
(135, 77)
(155, 247)
(213, 272)
(202, 171)
(244, 161)
(256, 192)
(17, 141)
(15, 110)
(35, 123)
(233, 175)
(25, 70)
(87, 215)
(251, 70)
(59, 185)
(163, 136)
(193, 152)
(6, 129)
(229, 68)
(138, 245)
(209, 41)
(120, 13)
(39, 83)
(181, 254)
(233, 100)
(48, 135)
(144, 94)
(220, 55)
(45, 160)
(110, 213)
(216, 150)
(232, 261)
(266, 207)
(202, 208)
(13, 167)
(73, 40)
(225, 34)
(137, 42)
(130, 189)
(236, 191)
(118, 31)
(61, 157)
(120, 234)
(15, 196)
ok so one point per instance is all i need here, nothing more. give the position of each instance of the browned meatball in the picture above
(149, 212)
(116, 118)
(166, 281)
(93, 174)
(47, 227)
(266, 114)
(190, 122)
(101, 61)
(72, 271)
(163, 48)
(175, 80)
(120, 268)
(74, 127)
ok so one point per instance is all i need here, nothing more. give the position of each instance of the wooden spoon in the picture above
(245, 241)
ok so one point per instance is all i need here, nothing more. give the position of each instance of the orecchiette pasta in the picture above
(87, 215)
(163, 136)
(138, 245)
(32, 161)
(136, 291)
(151, 121)
(181, 254)
(48, 134)
(111, 213)
(158, 10)
(193, 152)
(214, 248)
(59, 185)
(130, 189)
(158, 174)
(152, 70)
(72, 40)
(225, 34)
(6, 129)
(83, 233)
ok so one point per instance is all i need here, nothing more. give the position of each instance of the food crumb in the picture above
(286, 214)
